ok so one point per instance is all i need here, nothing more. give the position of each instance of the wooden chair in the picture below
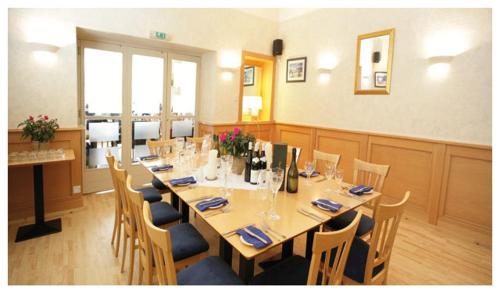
(320, 157)
(368, 263)
(369, 174)
(195, 140)
(209, 271)
(289, 153)
(329, 256)
(157, 146)
(117, 226)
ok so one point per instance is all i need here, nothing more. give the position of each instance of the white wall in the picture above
(456, 108)
(51, 88)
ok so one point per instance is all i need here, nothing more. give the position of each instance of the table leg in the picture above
(225, 250)
(309, 241)
(287, 249)
(184, 212)
(174, 200)
(246, 269)
(40, 227)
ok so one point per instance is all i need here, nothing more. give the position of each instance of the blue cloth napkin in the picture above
(206, 204)
(314, 174)
(360, 190)
(254, 241)
(148, 157)
(162, 167)
(183, 181)
(325, 203)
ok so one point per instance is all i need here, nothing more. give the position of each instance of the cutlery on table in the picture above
(311, 215)
(232, 232)
(322, 180)
(217, 213)
(255, 235)
(200, 198)
(267, 229)
(328, 205)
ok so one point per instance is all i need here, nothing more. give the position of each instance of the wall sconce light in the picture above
(439, 66)
(226, 75)
(324, 75)
(45, 53)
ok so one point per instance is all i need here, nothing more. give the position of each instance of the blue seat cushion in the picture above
(150, 194)
(365, 224)
(163, 213)
(356, 262)
(291, 271)
(159, 184)
(186, 241)
(209, 271)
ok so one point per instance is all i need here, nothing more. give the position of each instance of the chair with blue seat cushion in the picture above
(212, 270)
(159, 185)
(163, 213)
(186, 241)
(369, 174)
(151, 194)
(297, 270)
(208, 271)
(369, 263)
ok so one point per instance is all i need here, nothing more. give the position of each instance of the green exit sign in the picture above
(158, 35)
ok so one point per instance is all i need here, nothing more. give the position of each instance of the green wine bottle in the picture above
(292, 178)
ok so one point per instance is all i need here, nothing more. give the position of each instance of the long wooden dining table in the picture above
(246, 207)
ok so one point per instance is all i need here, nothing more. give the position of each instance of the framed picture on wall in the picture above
(296, 70)
(249, 76)
(380, 79)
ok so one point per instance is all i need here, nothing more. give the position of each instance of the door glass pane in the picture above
(147, 85)
(101, 135)
(102, 82)
(183, 91)
(141, 132)
(182, 128)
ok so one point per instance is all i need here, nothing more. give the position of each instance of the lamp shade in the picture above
(252, 104)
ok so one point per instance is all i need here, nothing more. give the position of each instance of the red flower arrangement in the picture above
(42, 129)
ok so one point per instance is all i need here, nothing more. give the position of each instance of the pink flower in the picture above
(222, 137)
(45, 117)
(232, 137)
(236, 131)
(31, 118)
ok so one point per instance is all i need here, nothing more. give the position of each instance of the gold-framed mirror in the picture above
(374, 63)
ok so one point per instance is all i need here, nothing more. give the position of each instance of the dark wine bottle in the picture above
(263, 160)
(248, 162)
(292, 178)
(254, 174)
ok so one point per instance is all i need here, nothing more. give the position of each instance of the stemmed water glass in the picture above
(309, 169)
(329, 173)
(262, 191)
(226, 164)
(276, 181)
(339, 177)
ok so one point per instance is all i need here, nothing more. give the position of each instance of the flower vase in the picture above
(44, 146)
(36, 145)
(238, 165)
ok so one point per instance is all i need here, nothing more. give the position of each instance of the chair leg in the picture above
(114, 228)
(141, 270)
(118, 235)
(131, 259)
(124, 250)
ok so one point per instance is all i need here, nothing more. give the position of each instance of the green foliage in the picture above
(42, 129)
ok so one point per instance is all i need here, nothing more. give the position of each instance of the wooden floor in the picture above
(449, 253)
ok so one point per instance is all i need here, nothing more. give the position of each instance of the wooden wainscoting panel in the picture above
(261, 130)
(348, 145)
(302, 137)
(59, 178)
(467, 185)
(411, 167)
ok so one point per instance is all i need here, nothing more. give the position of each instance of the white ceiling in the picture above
(277, 14)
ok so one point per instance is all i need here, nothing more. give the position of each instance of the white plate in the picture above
(322, 207)
(215, 207)
(182, 185)
(245, 242)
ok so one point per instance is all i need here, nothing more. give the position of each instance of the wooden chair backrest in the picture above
(387, 218)
(196, 140)
(121, 180)
(155, 146)
(162, 249)
(136, 201)
(111, 164)
(370, 174)
(289, 154)
(320, 157)
(323, 244)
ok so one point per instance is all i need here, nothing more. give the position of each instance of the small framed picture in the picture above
(380, 79)
(249, 76)
(296, 70)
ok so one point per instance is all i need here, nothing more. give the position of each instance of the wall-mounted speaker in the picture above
(277, 47)
(376, 57)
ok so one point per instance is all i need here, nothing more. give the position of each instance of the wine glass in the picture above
(339, 177)
(276, 181)
(226, 164)
(329, 173)
(309, 169)
(262, 191)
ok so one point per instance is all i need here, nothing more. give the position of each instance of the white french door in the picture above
(128, 95)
